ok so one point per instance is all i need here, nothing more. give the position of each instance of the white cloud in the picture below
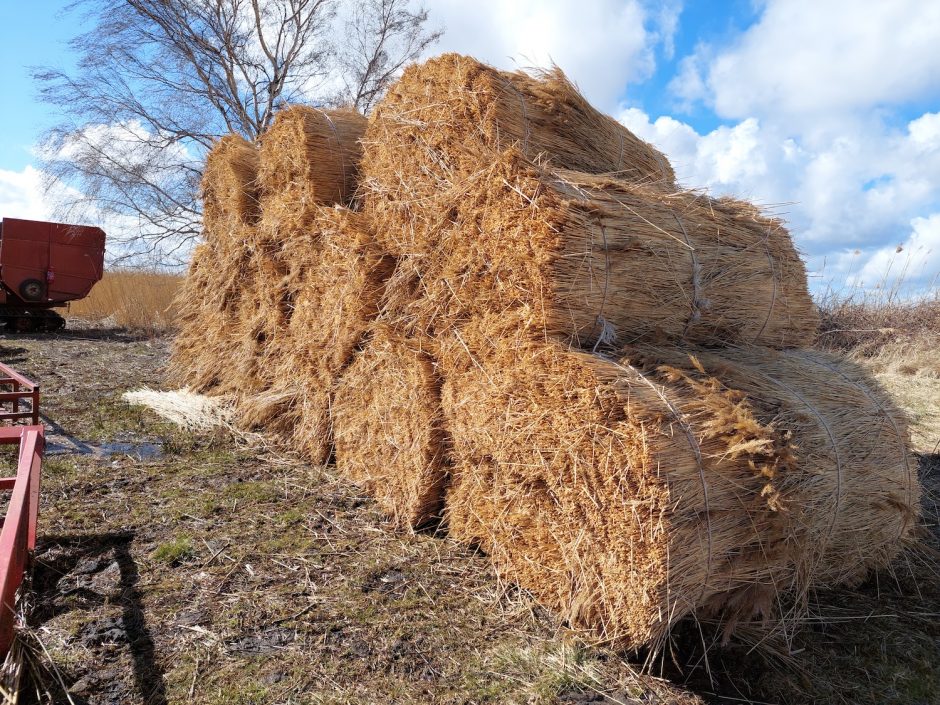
(22, 196)
(602, 45)
(806, 58)
(841, 192)
(925, 132)
(917, 259)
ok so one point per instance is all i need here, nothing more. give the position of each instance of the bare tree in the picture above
(381, 38)
(158, 80)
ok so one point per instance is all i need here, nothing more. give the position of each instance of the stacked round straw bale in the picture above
(211, 300)
(229, 186)
(627, 493)
(510, 335)
(597, 259)
(280, 294)
(440, 113)
(388, 425)
(450, 180)
(336, 281)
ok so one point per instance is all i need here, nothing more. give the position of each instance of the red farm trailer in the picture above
(44, 266)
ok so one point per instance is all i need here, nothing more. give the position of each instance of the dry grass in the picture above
(867, 324)
(899, 341)
(132, 299)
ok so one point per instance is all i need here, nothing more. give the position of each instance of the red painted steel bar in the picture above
(18, 535)
(20, 388)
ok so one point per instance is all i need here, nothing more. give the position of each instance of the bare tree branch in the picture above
(381, 37)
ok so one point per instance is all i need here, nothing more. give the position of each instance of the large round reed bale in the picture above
(627, 495)
(309, 156)
(260, 330)
(195, 331)
(598, 259)
(444, 119)
(857, 490)
(329, 292)
(230, 185)
(388, 428)
(340, 297)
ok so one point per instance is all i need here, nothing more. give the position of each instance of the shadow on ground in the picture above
(878, 643)
(97, 572)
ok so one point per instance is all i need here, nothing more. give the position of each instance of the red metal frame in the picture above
(13, 388)
(18, 535)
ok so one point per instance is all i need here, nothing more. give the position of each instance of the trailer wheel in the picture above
(32, 290)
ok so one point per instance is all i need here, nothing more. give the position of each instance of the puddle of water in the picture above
(72, 446)
(141, 451)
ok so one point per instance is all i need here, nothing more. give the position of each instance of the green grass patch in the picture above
(174, 551)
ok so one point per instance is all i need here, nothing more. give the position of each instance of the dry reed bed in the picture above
(431, 339)
(134, 299)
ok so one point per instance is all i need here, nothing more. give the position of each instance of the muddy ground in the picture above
(176, 568)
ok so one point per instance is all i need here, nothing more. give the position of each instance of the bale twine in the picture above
(230, 186)
(388, 427)
(628, 494)
(599, 260)
(443, 116)
(309, 157)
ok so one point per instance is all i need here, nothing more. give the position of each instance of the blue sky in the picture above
(829, 117)
(33, 33)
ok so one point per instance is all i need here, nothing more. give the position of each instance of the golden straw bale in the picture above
(340, 298)
(208, 304)
(627, 495)
(261, 324)
(329, 291)
(599, 259)
(230, 185)
(196, 331)
(388, 429)
(446, 116)
(858, 490)
(309, 156)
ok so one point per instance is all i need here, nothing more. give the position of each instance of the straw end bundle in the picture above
(388, 430)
